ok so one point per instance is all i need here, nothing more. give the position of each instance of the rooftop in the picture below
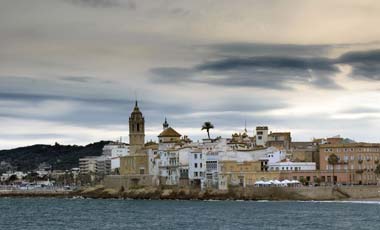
(169, 132)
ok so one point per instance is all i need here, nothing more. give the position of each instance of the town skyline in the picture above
(72, 69)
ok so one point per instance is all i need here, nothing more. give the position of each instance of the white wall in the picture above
(197, 165)
(292, 166)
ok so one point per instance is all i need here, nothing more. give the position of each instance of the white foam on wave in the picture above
(346, 201)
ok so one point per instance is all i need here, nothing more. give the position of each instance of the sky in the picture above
(70, 70)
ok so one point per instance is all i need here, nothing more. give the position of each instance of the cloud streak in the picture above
(275, 72)
(96, 3)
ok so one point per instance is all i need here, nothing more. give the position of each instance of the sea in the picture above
(62, 213)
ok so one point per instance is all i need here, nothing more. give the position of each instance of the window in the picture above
(195, 156)
(195, 165)
(195, 173)
(138, 127)
(200, 165)
(142, 171)
(200, 156)
(260, 137)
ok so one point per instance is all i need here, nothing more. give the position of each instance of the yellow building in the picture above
(357, 162)
(134, 165)
(246, 173)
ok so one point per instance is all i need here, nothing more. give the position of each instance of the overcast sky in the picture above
(70, 70)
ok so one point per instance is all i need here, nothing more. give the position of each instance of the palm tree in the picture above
(207, 126)
(333, 160)
(377, 171)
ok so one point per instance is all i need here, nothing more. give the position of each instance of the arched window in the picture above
(138, 127)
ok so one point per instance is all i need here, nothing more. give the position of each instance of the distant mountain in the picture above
(57, 156)
(348, 141)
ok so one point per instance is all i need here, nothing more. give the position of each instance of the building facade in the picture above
(356, 164)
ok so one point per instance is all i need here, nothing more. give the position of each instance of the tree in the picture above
(333, 160)
(11, 179)
(377, 171)
(207, 126)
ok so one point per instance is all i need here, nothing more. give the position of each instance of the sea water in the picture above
(59, 213)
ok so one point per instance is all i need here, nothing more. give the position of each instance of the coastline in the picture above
(362, 193)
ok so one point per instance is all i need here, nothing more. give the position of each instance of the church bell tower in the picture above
(136, 130)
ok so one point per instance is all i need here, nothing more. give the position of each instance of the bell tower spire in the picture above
(165, 125)
(136, 130)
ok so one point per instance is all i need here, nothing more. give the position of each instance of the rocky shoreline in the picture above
(275, 194)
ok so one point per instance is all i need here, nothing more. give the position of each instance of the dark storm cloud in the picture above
(262, 49)
(364, 63)
(274, 72)
(32, 97)
(96, 3)
(91, 112)
(33, 136)
(81, 79)
(263, 72)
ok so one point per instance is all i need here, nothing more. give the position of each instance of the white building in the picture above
(270, 153)
(197, 167)
(212, 162)
(95, 164)
(292, 166)
(169, 156)
(261, 135)
(18, 174)
(114, 151)
(274, 155)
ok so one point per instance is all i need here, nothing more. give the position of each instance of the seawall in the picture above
(268, 193)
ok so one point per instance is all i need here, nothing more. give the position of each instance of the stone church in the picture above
(135, 166)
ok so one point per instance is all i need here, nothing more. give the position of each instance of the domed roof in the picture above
(169, 132)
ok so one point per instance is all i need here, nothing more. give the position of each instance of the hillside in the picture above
(58, 156)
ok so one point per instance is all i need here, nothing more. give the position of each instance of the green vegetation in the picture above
(59, 157)
(333, 160)
(377, 170)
